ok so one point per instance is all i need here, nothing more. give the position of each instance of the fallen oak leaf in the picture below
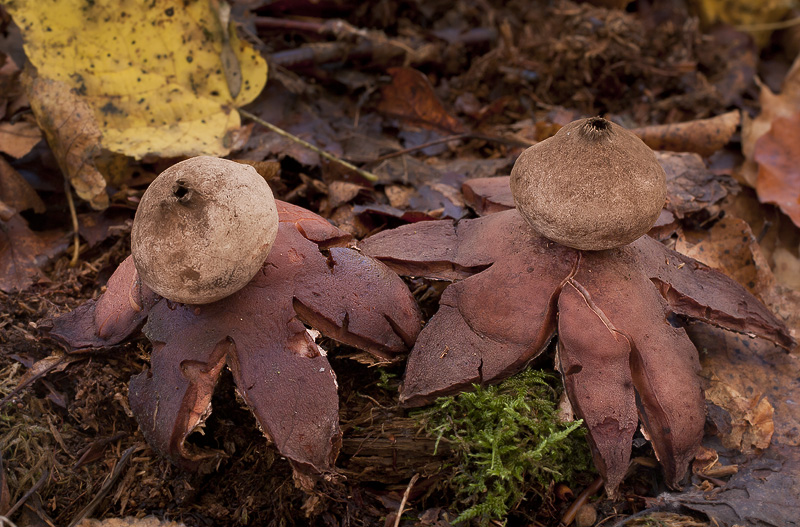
(16, 192)
(259, 333)
(773, 106)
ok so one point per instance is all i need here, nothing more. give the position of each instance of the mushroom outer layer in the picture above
(592, 186)
(203, 229)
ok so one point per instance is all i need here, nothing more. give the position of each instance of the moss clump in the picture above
(508, 442)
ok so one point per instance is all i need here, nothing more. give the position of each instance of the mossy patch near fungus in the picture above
(508, 442)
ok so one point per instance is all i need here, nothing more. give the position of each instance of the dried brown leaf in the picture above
(410, 97)
(773, 106)
(778, 157)
(16, 192)
(24, 252)
(72, 133)
(703, 136)
(19, 138)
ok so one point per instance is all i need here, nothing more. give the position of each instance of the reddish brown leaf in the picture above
(616, 335)
(410, 97)
(258, 333)
(703, 136)
(778, 157)
(16, 192)
(773, 106)
(96, 227)
(23, 253)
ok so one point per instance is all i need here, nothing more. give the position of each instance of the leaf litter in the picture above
(509, 80)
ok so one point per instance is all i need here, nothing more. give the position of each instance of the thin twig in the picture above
(422, 146)
(24, 498)
(369, 176)
(403, 502)
(115, 474)
(75, 227)
(447, 139)
(770, 26)
(569, 515)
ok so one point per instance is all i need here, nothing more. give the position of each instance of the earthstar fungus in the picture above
(622, 360)
(203, 229)
(310, 276)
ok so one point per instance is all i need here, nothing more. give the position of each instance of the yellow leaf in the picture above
(745, 13)
(151, 70)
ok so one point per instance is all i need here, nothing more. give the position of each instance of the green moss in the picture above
(508, 442)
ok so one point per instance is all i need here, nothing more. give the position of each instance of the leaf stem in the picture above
(369, 176)
(75, 227)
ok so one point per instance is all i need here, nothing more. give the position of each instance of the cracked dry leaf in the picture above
(151, 71)
(765, 492)
(72, 134)
(621, 359)
(310, 277)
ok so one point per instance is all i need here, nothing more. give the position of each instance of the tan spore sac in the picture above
(203, 229)
(592, 186)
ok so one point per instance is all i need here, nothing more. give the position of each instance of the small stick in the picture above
(24, 498)
(569, 515)
(369, 176)
(403, 502)
(769, 26)
(423, 146)
(75, 226)
(115, 474)
(447, 139)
